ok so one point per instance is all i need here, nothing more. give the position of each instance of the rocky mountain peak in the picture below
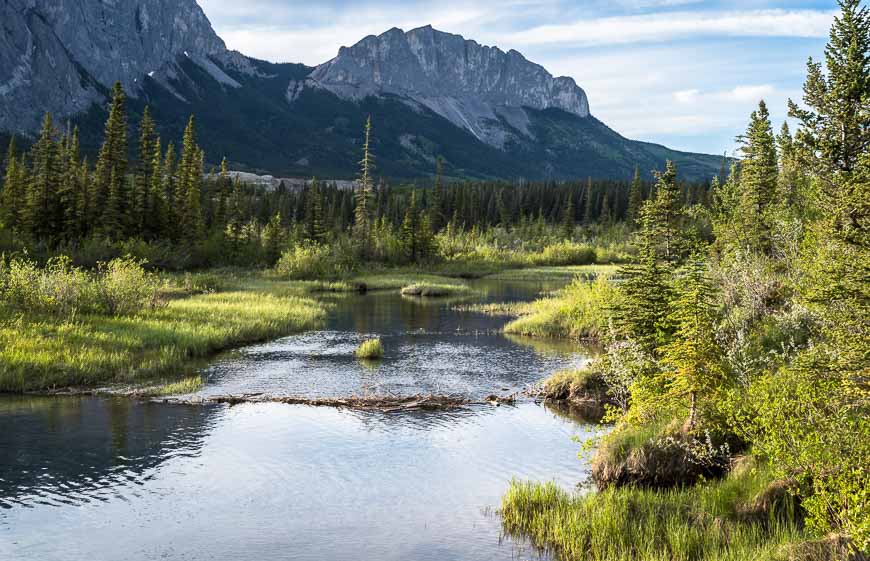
(56, 54)
(479, 88)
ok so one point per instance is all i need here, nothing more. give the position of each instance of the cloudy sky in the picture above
(684, 73)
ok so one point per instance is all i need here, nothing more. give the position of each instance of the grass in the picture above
(564, 273)
(496, 309)
(371, 349)
(434, 290)
(736, 518)
(184, 386)
(575, 385)
(39, 352)
(579, 311)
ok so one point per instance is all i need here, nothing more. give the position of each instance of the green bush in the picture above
(312, 262)
(120, 287)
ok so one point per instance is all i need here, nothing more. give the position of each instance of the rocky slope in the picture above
(488, 113)
(477, 88)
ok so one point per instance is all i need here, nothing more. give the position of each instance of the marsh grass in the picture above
(371, 349)
(714, 521)
(39, 351)
(556, 273)
(582, 384)
(579, 311)
(497, 309)
(434, 290)
(191, 384)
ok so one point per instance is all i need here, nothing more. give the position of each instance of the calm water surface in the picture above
(112, 479)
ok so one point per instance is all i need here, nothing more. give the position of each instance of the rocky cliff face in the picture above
(478, 88)
(61, 55)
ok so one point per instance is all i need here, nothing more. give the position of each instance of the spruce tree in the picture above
(759, 176)
(42, 214)
(693, 358)
(635, 197)
(568, 218)
(362, 211)
(111, 170)
(315, 228)
(436, 205)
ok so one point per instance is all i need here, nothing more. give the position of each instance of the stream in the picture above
(86, 478)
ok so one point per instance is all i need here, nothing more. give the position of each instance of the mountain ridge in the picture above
(491, 114)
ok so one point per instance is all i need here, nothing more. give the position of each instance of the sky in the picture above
(684, 73)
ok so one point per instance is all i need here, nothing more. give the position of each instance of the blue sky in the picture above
(684, 73)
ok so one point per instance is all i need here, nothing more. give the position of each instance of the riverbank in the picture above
(747, 515)
(41, 351)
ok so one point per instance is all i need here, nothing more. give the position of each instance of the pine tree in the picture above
(140, 197)
(436, 206)
(111, 170)
(589, 203)
(362, 212)
(694, 358)
(665, 216)
(568, 218)
(12, 195)
(315, 228)
(42, 214)
(646, 289)
(635, 197)
(189, 188)
(758, 180)
(409, 233)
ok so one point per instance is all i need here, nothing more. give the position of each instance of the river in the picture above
(95, 479)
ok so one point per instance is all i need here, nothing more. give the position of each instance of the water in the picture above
(113, 479)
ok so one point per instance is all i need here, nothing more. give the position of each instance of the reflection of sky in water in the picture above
(269, 481)
(111, 479)
(429, 348)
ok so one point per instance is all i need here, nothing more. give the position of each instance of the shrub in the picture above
(121, 287)
(566, 253)
(312, 262)
(126, 287)
(370, 349)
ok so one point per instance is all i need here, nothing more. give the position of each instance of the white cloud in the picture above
(687, 96)
(679, 25)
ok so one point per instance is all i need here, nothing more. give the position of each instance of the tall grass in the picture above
(731, 519)
(370, 349)
(578, 311)
(39, 351)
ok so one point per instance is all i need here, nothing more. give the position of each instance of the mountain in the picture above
(488, 113)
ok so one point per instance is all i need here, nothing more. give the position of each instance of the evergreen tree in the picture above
(111, 170)
(42, 215)
(694, 358)
(568, 219)
(758, 180)
(635, 197)
(315, 228)
(436, 206)
(14, 190)
(362, 212)
(409, 233)
(189, 188)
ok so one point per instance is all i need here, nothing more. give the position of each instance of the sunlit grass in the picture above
(723, 520)
(434, 290)
(39, 352)
(578, 311)
(564, 273)
(371, 349)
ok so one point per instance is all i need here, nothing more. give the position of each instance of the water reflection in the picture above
(271, 481)
(72, 450)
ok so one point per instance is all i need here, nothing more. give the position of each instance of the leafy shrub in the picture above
(126, 287)
(311, 262)
(121, 287)
(566, 253)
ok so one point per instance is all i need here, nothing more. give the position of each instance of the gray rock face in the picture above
(481, 89)
(54, 54)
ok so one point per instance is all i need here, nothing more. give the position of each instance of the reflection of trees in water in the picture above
(66, 449)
